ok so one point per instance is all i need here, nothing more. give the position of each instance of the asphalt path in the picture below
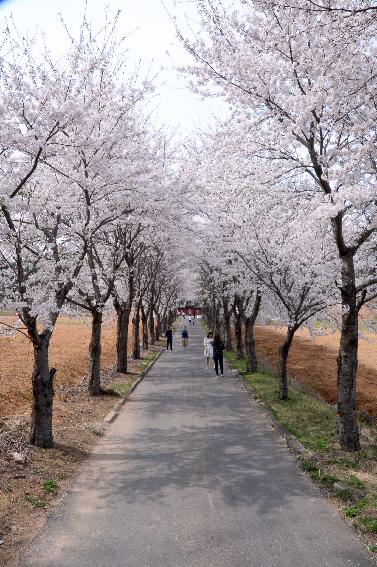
(191, 474)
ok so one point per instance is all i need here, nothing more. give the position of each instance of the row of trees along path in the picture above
(285, 189)
(82, 219)
(94, 200)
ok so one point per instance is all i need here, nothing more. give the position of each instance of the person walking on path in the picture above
(208, 348)
(169, 339)
(218, 349)
(184, 336)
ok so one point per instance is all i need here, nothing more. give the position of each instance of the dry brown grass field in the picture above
(312, 361)
(77, 424)
(69, 354)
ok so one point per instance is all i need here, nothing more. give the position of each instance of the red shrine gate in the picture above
(189, 310)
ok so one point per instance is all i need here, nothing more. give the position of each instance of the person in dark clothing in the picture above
(169, 339)
(185, 336)
(218, 357)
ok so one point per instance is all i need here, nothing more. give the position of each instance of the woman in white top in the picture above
(208, 348)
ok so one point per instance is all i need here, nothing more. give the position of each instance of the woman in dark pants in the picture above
(218, 348)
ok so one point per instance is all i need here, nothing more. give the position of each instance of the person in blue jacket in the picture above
(185, 336)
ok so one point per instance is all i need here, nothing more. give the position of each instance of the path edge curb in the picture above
(114, 412)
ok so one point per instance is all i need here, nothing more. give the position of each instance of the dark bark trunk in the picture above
(123, 320)
(95, 354)
(251, 355)
(347, 360)
(164, 323)
(136, 333)
(171, 318)
(216, 323)
(144, 324)
(238, 333)
(283, 358)
(227, 327)
(43, 394)
(152, 332)
(158, 326)
(123, 310)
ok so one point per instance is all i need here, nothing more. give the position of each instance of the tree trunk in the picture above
(216, 318)
(227, 327)
(164, 319)
(158, 326)
(238, 333)
(251, 355)
(123, 320)
(171, 318)
(144, 324)
(347, 360)
(136, 333)
(152, 333)
(123, 310)
(43, 393)
(283, 358)
(95, 354)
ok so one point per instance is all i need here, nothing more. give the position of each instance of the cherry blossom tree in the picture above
(305, 88)
(62, 181)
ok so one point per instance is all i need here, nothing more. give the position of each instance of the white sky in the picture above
(151, 39)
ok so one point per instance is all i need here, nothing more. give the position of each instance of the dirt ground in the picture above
(312, 361)
(68, 353)
(30, 490)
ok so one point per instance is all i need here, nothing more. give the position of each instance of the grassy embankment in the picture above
(314, 424)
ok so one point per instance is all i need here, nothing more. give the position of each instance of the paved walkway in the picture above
(192, 475)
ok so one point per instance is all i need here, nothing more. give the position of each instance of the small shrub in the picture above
(348, 464)
(372, 547)
(329, 479)
(352, 511)
(343, 494)
(120, 389)
(368, 523)
(96, 431)
(355, 481)
(311, 469)
(373, 452)
(49, 486)
(35, 502)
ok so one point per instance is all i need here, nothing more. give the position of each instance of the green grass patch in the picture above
(329, 479)
(310, 420)
(344, 463)
(97, 431)
(121, 389)
(355, 509)
(355, 481)
(368, 523)
(351, 511)
(344, 494)
(35, 502)
(372, 547)
(49, 486)
(311, 469)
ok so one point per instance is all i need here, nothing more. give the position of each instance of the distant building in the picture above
(188, 308)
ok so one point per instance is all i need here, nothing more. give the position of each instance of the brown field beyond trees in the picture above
(312, 361)
(68, 353)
